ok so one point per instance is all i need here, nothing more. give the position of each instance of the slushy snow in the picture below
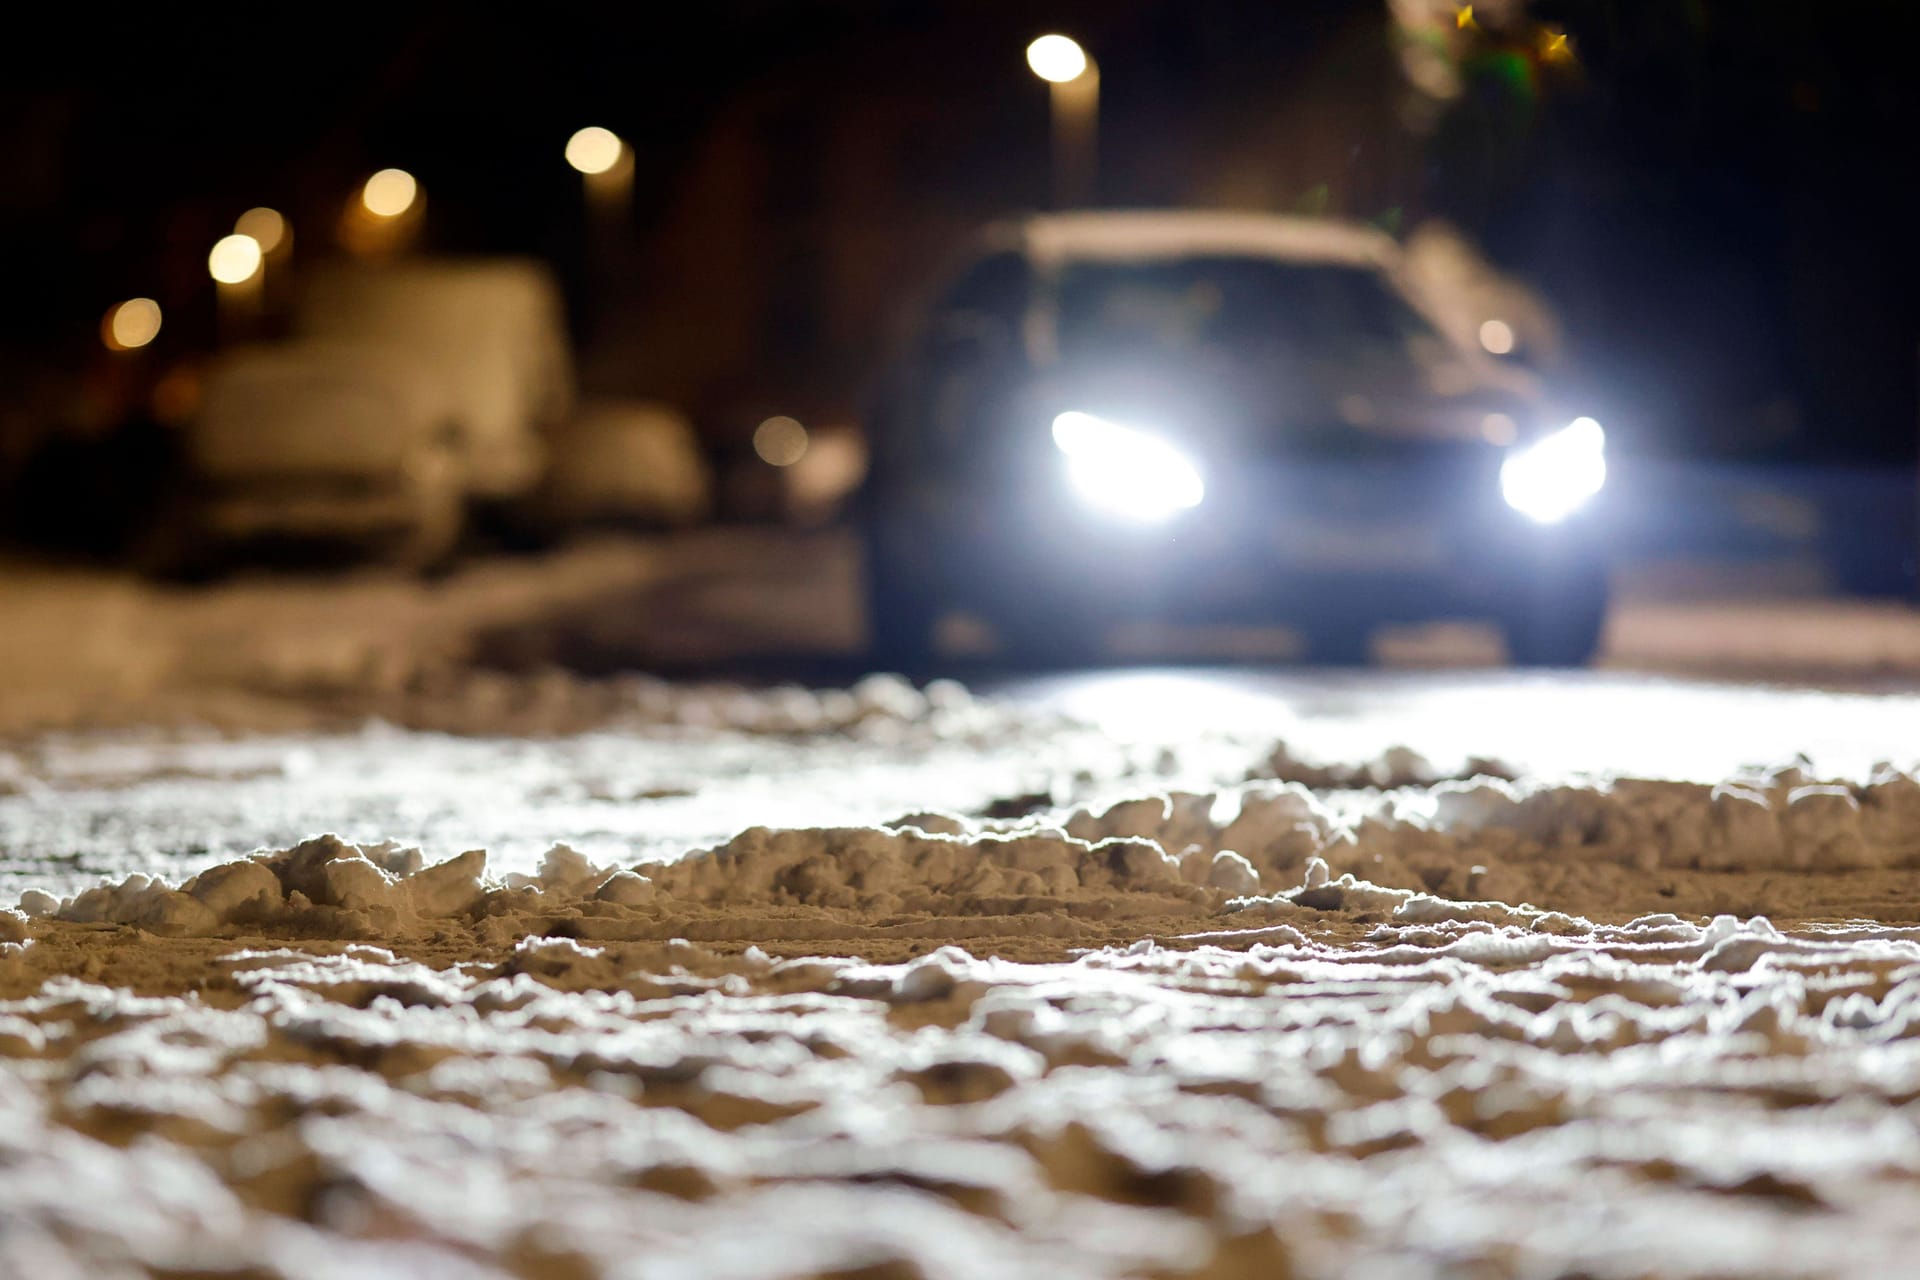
(1365, 1018)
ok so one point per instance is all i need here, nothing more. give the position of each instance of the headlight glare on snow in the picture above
(1124, 471)
(1550, 479)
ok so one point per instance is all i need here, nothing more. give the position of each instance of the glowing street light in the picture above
(131, 324)
(266, 226)
(1073, 84)
(235, 259)
(780, 441)
(389, 193)
(594, 150)
(1057, 59)
(385, 215)
(235, 264)
(605, 164)
(1497, 337)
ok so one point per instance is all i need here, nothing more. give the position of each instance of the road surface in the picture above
(1164, 971)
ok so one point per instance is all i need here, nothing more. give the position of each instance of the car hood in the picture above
(1327, 414)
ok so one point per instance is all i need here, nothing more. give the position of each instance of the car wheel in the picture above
(1558, 628)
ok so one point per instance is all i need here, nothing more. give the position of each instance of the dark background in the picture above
(1716, 197)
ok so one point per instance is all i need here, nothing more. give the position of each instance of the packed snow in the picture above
(1042, 995)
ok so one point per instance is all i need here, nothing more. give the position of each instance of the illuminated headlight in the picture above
(1125, 471)
(1550, 479)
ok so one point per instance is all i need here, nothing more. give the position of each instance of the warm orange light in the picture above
(1497, 336)
(389, 193)
(265, 225)
(780, 441)
(234, 259)
(130, 324)
(1057, 59)
(594, 150)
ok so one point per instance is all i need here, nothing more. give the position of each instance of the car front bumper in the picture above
(341, 508)
(1389, 546)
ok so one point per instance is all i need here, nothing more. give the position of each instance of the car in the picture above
(623, 463)
(412, 396)
(315, 442)
(1200, 417)
(492, 334)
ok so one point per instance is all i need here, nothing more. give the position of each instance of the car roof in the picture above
(1053, 239)
(508, 293)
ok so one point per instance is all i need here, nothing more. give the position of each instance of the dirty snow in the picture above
(1436, 1094)
(1136, 975)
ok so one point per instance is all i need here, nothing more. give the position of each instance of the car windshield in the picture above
(1253, 317)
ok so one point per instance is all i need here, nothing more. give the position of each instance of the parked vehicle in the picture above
(1195, 417)
(624, 462)
(492, 335)
(316, 441)
(413, 394)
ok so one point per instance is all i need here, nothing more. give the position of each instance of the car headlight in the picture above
(1124, 471)
(1550, 479)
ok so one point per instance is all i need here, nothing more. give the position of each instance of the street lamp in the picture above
(234, 263)
(234, 259)
(389, 193)
(1056, 59)
(130, 325)
(1073, 85)
(385, 215)
(268, 228)
(605, 164)
(594, 150)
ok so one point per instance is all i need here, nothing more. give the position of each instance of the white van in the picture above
(411, 393)
(321, 441)
(491, 332)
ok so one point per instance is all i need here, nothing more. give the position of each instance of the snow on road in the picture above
(655, 780)
(1149, 972)
(101, 648)
(1659, 1099)
(1137, 975)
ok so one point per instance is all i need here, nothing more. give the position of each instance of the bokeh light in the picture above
(1497, 336)
(1552, 478)
(1124, 471)
(780, 441)
(234, 259)
(130, 324)
(1499, 428)
(1057, 59)
(265, 225)
(594, 150)
(389, 193)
